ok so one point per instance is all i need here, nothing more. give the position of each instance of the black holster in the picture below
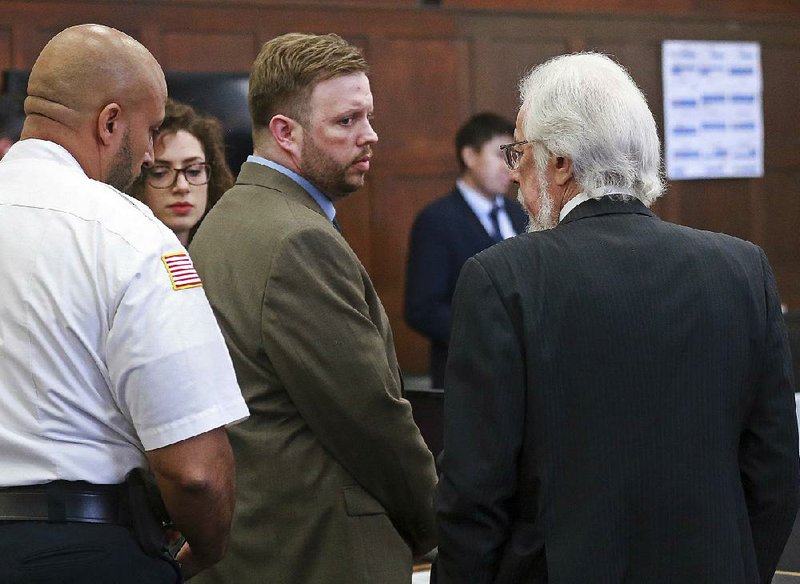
(148, 515)
(149, 519)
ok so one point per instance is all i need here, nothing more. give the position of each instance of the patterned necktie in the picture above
(496, 235)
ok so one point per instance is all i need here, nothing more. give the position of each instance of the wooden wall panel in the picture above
(377, 23)
(718, 205)
(498, 65)
(672, 7)
(30, 43)
(576, 6)
(782, 237)
(353, 214)
(787, 275)
(418, 100)
(310, 4)
(200, 51)
(5, 52)
(781, 67)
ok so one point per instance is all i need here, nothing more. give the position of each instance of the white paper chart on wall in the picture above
(713, 121)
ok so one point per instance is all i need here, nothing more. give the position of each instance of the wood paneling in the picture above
(717, 205)
(782, 236)
(5, 52)
(672, 7)
(199, 51)
(418, 89)
(576, 6)
(498, 65)
(432, 67)
(352, 214)
(310, 4)
(787, 274)
(781, 67)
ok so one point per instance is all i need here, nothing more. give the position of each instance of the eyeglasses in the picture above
(513, 154)
(161, 176)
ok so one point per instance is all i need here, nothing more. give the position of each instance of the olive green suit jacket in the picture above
(334, 482)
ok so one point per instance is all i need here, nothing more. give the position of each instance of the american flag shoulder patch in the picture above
(181, 271)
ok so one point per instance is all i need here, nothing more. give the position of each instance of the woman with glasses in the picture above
(189, 173)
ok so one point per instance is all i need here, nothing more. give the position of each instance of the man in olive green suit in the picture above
(334, 481)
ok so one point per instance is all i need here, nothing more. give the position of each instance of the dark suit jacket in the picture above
(334, 482)
(445, 234)
(618, 408)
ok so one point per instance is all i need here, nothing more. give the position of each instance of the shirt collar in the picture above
(583, 197)
(571, 204)
(316, 194)
(480, 204)
(42, 149)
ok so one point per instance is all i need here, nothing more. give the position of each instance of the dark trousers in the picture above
(35, 552)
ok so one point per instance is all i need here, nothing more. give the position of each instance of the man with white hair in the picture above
(619, 395)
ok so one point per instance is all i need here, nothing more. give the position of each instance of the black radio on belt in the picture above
(149, 519)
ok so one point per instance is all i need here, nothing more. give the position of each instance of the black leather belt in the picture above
(66, 501)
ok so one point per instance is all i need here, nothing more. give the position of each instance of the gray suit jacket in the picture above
(334, 480)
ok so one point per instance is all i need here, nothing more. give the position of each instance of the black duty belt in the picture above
(66, 501)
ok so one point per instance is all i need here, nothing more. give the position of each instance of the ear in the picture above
(110, 126)
(287, 133)
(562, 170)
(469, 155)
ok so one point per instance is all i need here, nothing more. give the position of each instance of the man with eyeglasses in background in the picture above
(619, 398)
(475, 215)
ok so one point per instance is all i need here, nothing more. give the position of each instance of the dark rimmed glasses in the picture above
(513, 153)
(162, 176)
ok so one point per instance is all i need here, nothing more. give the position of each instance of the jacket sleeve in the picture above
(323, 337)
(484, 416)
(768, 452)
(429, 280)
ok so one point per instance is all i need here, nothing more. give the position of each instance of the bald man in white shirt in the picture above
(110, 357)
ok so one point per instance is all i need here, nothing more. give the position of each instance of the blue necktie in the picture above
(496, 235)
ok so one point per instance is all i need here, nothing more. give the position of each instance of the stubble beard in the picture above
(328, 175)
(121, 175)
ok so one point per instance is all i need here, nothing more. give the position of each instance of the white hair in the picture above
(587, 108)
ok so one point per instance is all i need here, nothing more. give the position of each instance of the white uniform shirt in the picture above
(104, 351)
